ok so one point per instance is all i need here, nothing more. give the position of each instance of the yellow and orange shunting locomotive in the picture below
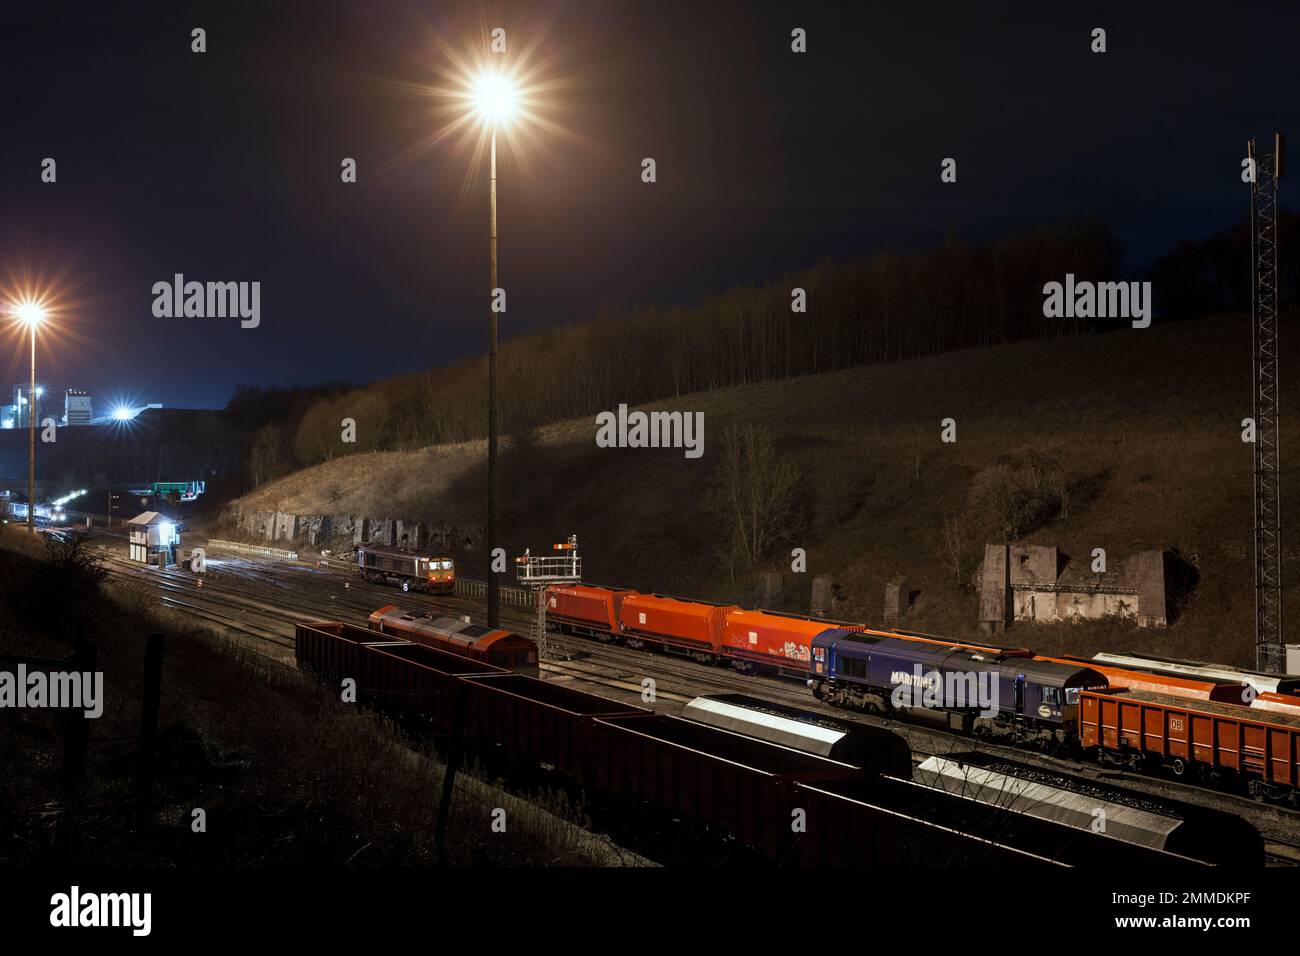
(411, 570)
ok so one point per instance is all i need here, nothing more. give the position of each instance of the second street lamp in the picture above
(31, 314)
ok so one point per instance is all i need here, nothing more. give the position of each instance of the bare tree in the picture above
(754, 491)
(265, 455)
(951, 551)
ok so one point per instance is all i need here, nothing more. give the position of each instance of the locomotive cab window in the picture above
(1071, 695)
(853, 667)
(1051, 695)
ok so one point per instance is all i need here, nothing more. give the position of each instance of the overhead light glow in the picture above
(495, 97)
(32, 313)
(123, 413)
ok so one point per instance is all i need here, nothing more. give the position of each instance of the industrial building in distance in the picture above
(78, 409)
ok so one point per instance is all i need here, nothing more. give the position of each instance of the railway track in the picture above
(1279, 852)
(261, 601)
(213, 607)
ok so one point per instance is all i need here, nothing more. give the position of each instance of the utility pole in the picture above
(493, 586)
(494, 98)
(31, 448)
(1270, 649)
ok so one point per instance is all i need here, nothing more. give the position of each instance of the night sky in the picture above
(225, 165)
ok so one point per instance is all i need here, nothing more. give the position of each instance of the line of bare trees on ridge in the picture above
(882, 308)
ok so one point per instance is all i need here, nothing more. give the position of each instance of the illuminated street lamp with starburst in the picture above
(495, 100)
(480, 102)
(31, 313)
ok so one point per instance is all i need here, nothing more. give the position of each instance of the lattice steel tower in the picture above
(1270, 651)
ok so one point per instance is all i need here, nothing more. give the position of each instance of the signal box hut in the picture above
(150, 534)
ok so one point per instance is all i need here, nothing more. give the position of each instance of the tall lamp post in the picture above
(494, 99)
(31, 314)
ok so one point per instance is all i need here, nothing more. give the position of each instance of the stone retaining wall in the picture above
(317, 530)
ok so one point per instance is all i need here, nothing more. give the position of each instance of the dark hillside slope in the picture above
(1124, 441)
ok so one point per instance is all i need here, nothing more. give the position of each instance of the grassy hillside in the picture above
(1140, 430)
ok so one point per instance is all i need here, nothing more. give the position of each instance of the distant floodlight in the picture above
(40, 392)
(123, 414)
(495, 97)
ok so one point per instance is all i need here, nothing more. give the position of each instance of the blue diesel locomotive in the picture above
(987, 694)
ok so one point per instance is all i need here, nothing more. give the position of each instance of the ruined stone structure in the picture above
(897, 599)
(317, 531)
(1025, 582)
(826, 596)
(769, 589)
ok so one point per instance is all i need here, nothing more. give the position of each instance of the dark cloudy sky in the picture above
(225, 165)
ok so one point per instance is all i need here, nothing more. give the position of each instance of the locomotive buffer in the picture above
(538, 572)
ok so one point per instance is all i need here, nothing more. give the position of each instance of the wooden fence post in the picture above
(76, 744)
(150, 700)
(454, 758)
(76, 730)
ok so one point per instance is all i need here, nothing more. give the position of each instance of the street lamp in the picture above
(31, 314)
(495, 99)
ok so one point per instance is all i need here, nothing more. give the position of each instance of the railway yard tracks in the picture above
(257, 603)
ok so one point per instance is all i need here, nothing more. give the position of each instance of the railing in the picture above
(538, 569)
(337, 564)
(1081, 587)
(478, 589)
(254, 549)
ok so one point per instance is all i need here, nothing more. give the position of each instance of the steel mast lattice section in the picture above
(1270, 651)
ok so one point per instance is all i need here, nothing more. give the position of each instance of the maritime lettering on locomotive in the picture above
(956, 690)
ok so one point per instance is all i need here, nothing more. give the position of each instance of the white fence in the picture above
(478, 589)
(337, 564)
(252, 549)
(519, 597)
